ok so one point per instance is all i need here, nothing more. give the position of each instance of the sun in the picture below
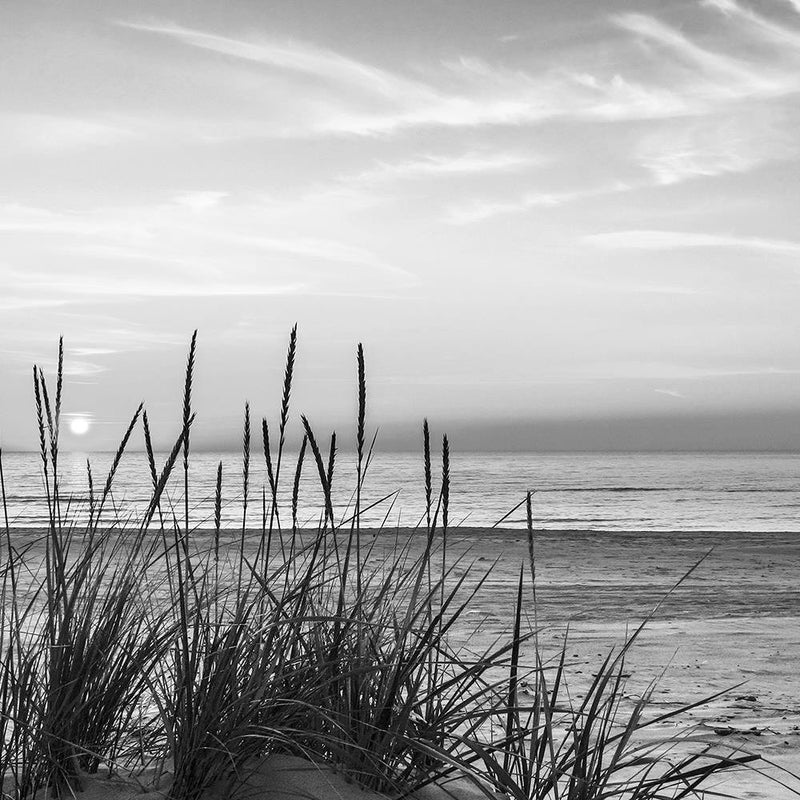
(79, 425)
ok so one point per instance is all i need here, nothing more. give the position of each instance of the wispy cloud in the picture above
(673, 240)
(671, 393)
(675, 166)
(436, 166)
(768, 28)
(200, 200)
(82, 332)
(319, 249)
(478, 210)
(23, 357)
(710, 62)
(83, 352)
(49, 133)
(369, 100)
(328, 92)
(12, 302)
(318, 62)
(465, 92)
(706, 148)
(82, 368)
(193, 246)
(708, 79)
(84, 284)
(619, 98)
(18, 218)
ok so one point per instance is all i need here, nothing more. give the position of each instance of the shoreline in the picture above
(582, 574)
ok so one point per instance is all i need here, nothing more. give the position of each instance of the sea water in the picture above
(572, 491)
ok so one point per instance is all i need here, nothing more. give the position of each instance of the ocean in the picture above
(573, 491)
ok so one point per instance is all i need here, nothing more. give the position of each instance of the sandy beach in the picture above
(733, 624)
(731, 627)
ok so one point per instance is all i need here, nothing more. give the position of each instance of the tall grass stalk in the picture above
(360, 425)
(274, 472)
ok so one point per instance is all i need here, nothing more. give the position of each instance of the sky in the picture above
(561, 224)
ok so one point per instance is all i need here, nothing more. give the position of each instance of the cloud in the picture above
(29, 355)
(197, 247)
(675, 166)
(480, 210)
(12, 302)
(674, 240)
(465, 92)
(84, 284)
(119, 335)
(18, 218)
(317, 91)
(435, 166)
(88, 247)
(200, 201)
(707, 79)
(48, 133)
(325, 65)
(618, 98)
(706, 148)
(321, 249)
(82, 368)
(83, 352)
(737, 77)
(768, 28)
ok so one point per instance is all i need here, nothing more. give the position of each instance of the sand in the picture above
(285, 778)
(733, 624)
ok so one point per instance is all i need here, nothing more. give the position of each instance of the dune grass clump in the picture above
(187, 656)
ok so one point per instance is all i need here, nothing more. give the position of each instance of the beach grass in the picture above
(142, 647)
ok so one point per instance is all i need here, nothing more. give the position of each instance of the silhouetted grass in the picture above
(129, 644)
